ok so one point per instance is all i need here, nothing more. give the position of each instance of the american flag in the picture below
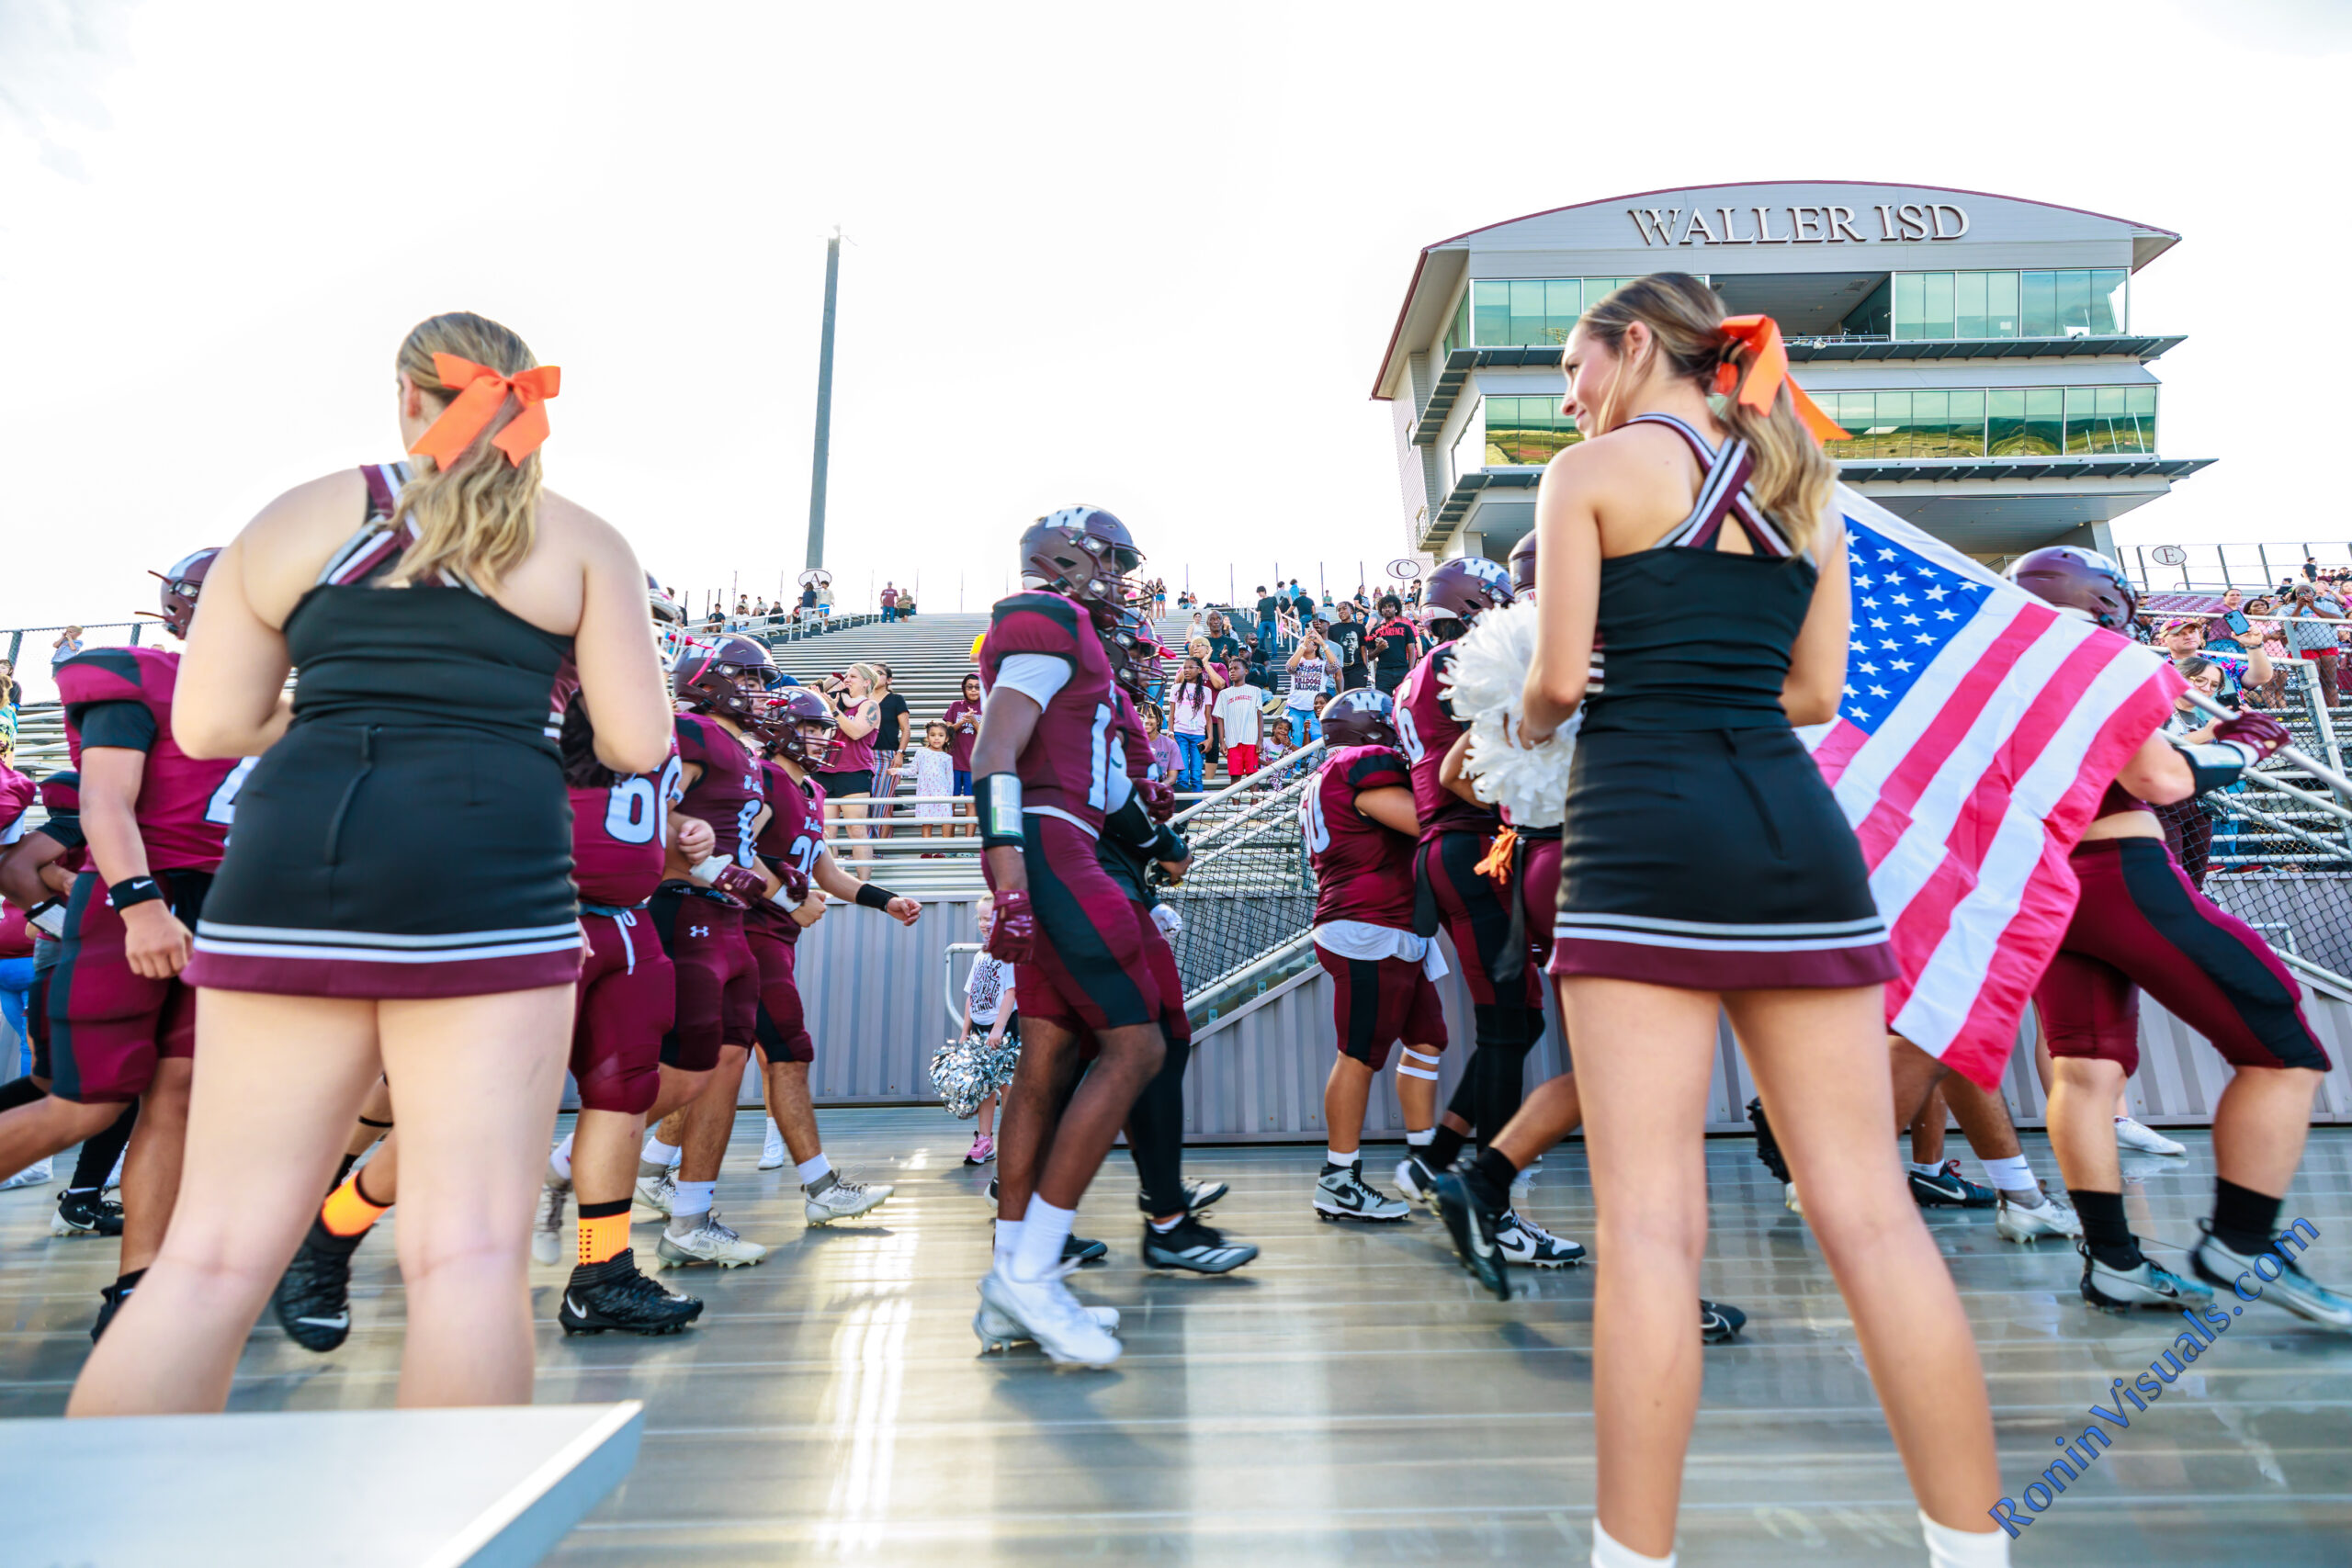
(1979, 728)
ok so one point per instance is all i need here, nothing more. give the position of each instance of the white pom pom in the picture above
(1490, 667)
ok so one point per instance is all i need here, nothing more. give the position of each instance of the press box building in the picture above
(1981, 349)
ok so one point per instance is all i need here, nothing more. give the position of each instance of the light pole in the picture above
(824, 405)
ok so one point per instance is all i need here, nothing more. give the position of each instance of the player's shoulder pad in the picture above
(690, 737)
(1375, 767)
(1037, 623)
(144, 675)
(61, 791)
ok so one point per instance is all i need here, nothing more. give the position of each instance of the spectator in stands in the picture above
(889, 603)
(2230, 628)
(742, 608)
(825, 601)
(1166, 760)
(1392, 644)
(1345, 637)
(1195, 628)
(963, 721)
(1275, 747)
(1224, 646)
(1188, 719)
(12, 694)
(891, 738)
(849, 784)
(1302, 600)
(906, 604)
(1310, 673)
(1234, 714)
(2181, 638)
(68, 644)
(808, 598)
(2311, 620)
(934, 776)
(1159, 598)
(1269, 611)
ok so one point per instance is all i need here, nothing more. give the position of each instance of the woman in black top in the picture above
(1706, 868)
(397, 896)
(1395, 645)
(890, 747)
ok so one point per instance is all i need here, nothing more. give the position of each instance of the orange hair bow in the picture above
(481, 392)
(1758, 338)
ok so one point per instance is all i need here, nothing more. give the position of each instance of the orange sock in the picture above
(604, 1231)
(347, 1211)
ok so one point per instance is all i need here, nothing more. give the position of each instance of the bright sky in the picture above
(1138, 256)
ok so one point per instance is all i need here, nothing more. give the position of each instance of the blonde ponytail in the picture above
(1793, 477)
(477, 518)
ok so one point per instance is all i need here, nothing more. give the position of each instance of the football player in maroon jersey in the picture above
(36, 873)
(799, 731)
(1506, 991)
(698, 911)
(122, 1026)
(1048, 787)
(1357, 820)
(1174, 1237)
(621, 829)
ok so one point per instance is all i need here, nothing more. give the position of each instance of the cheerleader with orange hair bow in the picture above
(397, 895)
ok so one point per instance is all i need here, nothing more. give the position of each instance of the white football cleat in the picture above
(1062, 1327)
(2050, 1217)
(772, 1148)
(2130, 1134)
(709, 1242)
(547, 1232)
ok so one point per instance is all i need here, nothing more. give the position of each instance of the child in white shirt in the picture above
(1235, 711)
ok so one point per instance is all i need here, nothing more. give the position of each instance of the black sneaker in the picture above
(1472, 1217)
(1949, 1189)
(1198, 1196)
(110, 1302)
(313, 1298)
(1188, 1244)
(613, 1294)
(87, 1212)
(1077, 1249)
(1719, 1323)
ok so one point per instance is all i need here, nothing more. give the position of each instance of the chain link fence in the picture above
(1249, 898)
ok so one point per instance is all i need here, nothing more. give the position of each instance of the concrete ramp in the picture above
(494, 1488)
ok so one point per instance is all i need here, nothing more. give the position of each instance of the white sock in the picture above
(1949, 1547)
(1423, 1138)
(1608, 1552)
(693, 1200)
(1008, 1238)
(656, 1152)
(559, 1161)
(2010, 1175)
(814, 1166)
(1043, 1228)
(1936, 1168)
(1333, 1156)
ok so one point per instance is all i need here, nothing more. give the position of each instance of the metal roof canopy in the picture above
(1945, 469)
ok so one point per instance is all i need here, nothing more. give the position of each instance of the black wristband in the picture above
(133, 890)
(998, 800)
(872, 898)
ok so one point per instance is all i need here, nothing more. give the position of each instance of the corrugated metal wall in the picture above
(875, 995)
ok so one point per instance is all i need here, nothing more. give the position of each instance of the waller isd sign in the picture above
(1819, 225)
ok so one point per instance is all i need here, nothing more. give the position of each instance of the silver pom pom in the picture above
(1490, 667)
(968, 1071)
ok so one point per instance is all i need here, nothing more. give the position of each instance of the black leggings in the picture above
(1156, 1133)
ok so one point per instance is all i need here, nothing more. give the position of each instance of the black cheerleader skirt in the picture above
(1712, 859)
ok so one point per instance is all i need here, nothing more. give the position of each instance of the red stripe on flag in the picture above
(1837, 748)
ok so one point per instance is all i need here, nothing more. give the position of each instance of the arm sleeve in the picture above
(1037, 676)
(126, 724)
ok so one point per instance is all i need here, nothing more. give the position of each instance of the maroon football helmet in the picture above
(1523, 565)
(727, 677)
(1085, 552)
(667, 611)
(2083, 581)
(1361, 718)
(1467, 587)
(181, 584)
(1135, 652)
(799, 725)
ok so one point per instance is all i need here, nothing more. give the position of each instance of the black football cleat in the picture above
(613, 1294)
(1718, 1324)
(87, 1212)
(1198, 1196)
(313, 1297)
(1077, 1249)
(110, 1300)
(1472, 1219)
(1189, 1244)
